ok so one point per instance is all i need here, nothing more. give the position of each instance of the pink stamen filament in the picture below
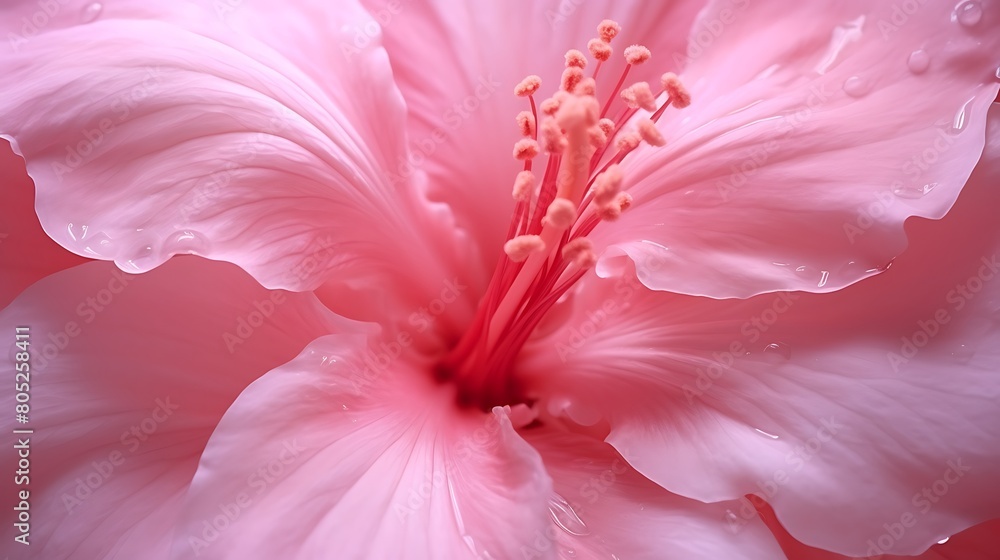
(520, 294)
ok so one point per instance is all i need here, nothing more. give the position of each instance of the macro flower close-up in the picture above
(443, 279)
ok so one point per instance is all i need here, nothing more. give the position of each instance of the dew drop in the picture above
(187, 241)
(919, 61)
(100, 245)
(944, 540)
(967, 13)
(962, 353)
(961, 119)
(913, 192)
(778, 351)
(582, 414)
(824, 276)
(732, 521)
(856, 86)
(77, 233)
(566, 517)
(765, 434)
(141, 258)
(880, 268)
(91, 12)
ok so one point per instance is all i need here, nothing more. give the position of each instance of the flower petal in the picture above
(975, 543)
(26, 253)
(128, 377)
(461, 114)
(814, 133)
(603, 509)
(343, 453)
(241, 134)
(849, 412)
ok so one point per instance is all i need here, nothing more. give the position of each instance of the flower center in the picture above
(547, 249)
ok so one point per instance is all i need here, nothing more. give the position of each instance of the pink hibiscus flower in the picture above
(392, 357)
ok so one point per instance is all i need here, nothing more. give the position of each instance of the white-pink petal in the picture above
(346, 453)
(244, 134)
(814, 132)
(846, 411)
(128, 377)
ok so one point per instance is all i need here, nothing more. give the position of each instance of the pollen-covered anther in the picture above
(581, 252)
(526, 123)
(679, 95)
(598, 138)
(628, 142)
(613, 210)
(522, 246)
(525, 149)
(608, 30)
(587, 86)
(649, 132)
(607, 185)
(575, 58)
(523, 184)
(578, 112)
(576, 115)
(638, 95)
(637, 54)
(553, 140)
(528, 86)
(624, 201)
(570, 78)
(599, 49)
(560, 215)
(551, 105)
(607, 125)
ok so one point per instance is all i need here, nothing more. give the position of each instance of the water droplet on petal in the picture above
(100, 245)
(91, 12)
(961, 120)
(913, 192)
(732, 521)
(77, 232)
(944, 540)
(824, 276)
(856, 86)
(967, 13)
(880, 268)
(142, 258)
(919, 61)
(778, 351)
(186, 241)
(962, 353)
(566, 517)
(582, 414)
(765, 434)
